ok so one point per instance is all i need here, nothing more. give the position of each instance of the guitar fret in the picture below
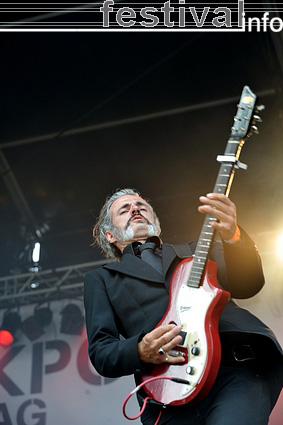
(194, 279)
(194, 284)
(201, 268)
(199, 271)
(194, 276)
(197, 274)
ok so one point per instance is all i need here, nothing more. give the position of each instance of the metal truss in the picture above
(67, 282)
(44, 286)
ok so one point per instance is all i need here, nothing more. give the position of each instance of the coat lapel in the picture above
(168, 256)
(134, 266)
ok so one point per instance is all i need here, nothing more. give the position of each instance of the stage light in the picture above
(72, 322)
(32, 329)
(6, 338)
(10, 325)
(36, 253)
(33, 326)
(31, 255)
(34, 257)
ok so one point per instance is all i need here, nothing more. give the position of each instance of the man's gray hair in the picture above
(104, 223)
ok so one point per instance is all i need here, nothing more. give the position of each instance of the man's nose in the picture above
(135, 209)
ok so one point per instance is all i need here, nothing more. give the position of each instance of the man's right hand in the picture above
(166, 337)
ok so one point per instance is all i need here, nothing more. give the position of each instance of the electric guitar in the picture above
(196, 300)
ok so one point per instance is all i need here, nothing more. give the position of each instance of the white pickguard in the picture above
(192, 306)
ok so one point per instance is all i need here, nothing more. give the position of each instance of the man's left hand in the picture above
(220, 206)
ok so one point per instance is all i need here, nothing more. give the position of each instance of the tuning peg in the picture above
(257, 118)
(237, 118)
(260, 108)
(255, 129)
(240, 107)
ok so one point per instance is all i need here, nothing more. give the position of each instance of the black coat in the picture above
(126, 299)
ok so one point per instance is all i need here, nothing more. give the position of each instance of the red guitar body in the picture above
(197, 310)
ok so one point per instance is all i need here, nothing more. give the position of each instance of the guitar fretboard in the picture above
(242, 128)
(222, 185)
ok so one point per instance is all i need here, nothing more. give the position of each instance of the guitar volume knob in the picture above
(190, 370)
(195, 351)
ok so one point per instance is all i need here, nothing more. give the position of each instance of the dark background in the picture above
(57, 82)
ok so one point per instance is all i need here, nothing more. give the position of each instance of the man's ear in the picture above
(110, 237)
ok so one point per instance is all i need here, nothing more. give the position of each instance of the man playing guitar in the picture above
(130, 296)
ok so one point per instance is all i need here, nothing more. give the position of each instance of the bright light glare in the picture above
(36, 252)
(279, 243)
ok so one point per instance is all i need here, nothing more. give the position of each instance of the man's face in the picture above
(133, 220)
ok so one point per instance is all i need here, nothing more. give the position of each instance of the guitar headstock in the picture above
(247, 115)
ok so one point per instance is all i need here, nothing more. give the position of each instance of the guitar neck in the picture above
(223, 185)
(229, 162)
